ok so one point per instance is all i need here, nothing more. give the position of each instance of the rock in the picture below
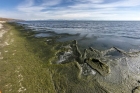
(76, 52)
(85, 54)
(100, 67)
(90, 56)
(136, 90)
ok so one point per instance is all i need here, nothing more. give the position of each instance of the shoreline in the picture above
(30, 62)
(18, 63)
(24, 62)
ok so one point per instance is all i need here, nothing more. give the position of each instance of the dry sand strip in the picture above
(2, 31)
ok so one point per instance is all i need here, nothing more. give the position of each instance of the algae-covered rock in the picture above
(95, 59)
(77, 52)
(100, 67)
(90, 57)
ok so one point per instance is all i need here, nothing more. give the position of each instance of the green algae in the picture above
(29, 63)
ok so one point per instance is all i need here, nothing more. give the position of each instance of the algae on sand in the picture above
(28, 64)
(67, 79)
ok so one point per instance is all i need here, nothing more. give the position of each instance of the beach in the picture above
(15, 69)
(23, 69)
(44, 65)
(2, 32)
(31, 71)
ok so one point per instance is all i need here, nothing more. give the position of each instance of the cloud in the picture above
(26, 3)
(78, 9)
(103, 4)
(28, 6)
(89, 1)
(51, 2)
(122, 3)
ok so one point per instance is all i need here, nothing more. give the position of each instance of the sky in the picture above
(70, 9)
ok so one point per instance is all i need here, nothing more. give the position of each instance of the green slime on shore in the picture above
(40, 74)
(38, 59)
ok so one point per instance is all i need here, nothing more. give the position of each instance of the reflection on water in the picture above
(109, 41)
(43, 35)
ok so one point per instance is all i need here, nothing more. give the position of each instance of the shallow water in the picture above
(98, 34)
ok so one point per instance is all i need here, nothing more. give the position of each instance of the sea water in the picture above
(97, 34)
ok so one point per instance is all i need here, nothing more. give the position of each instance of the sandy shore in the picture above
(2, 31)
